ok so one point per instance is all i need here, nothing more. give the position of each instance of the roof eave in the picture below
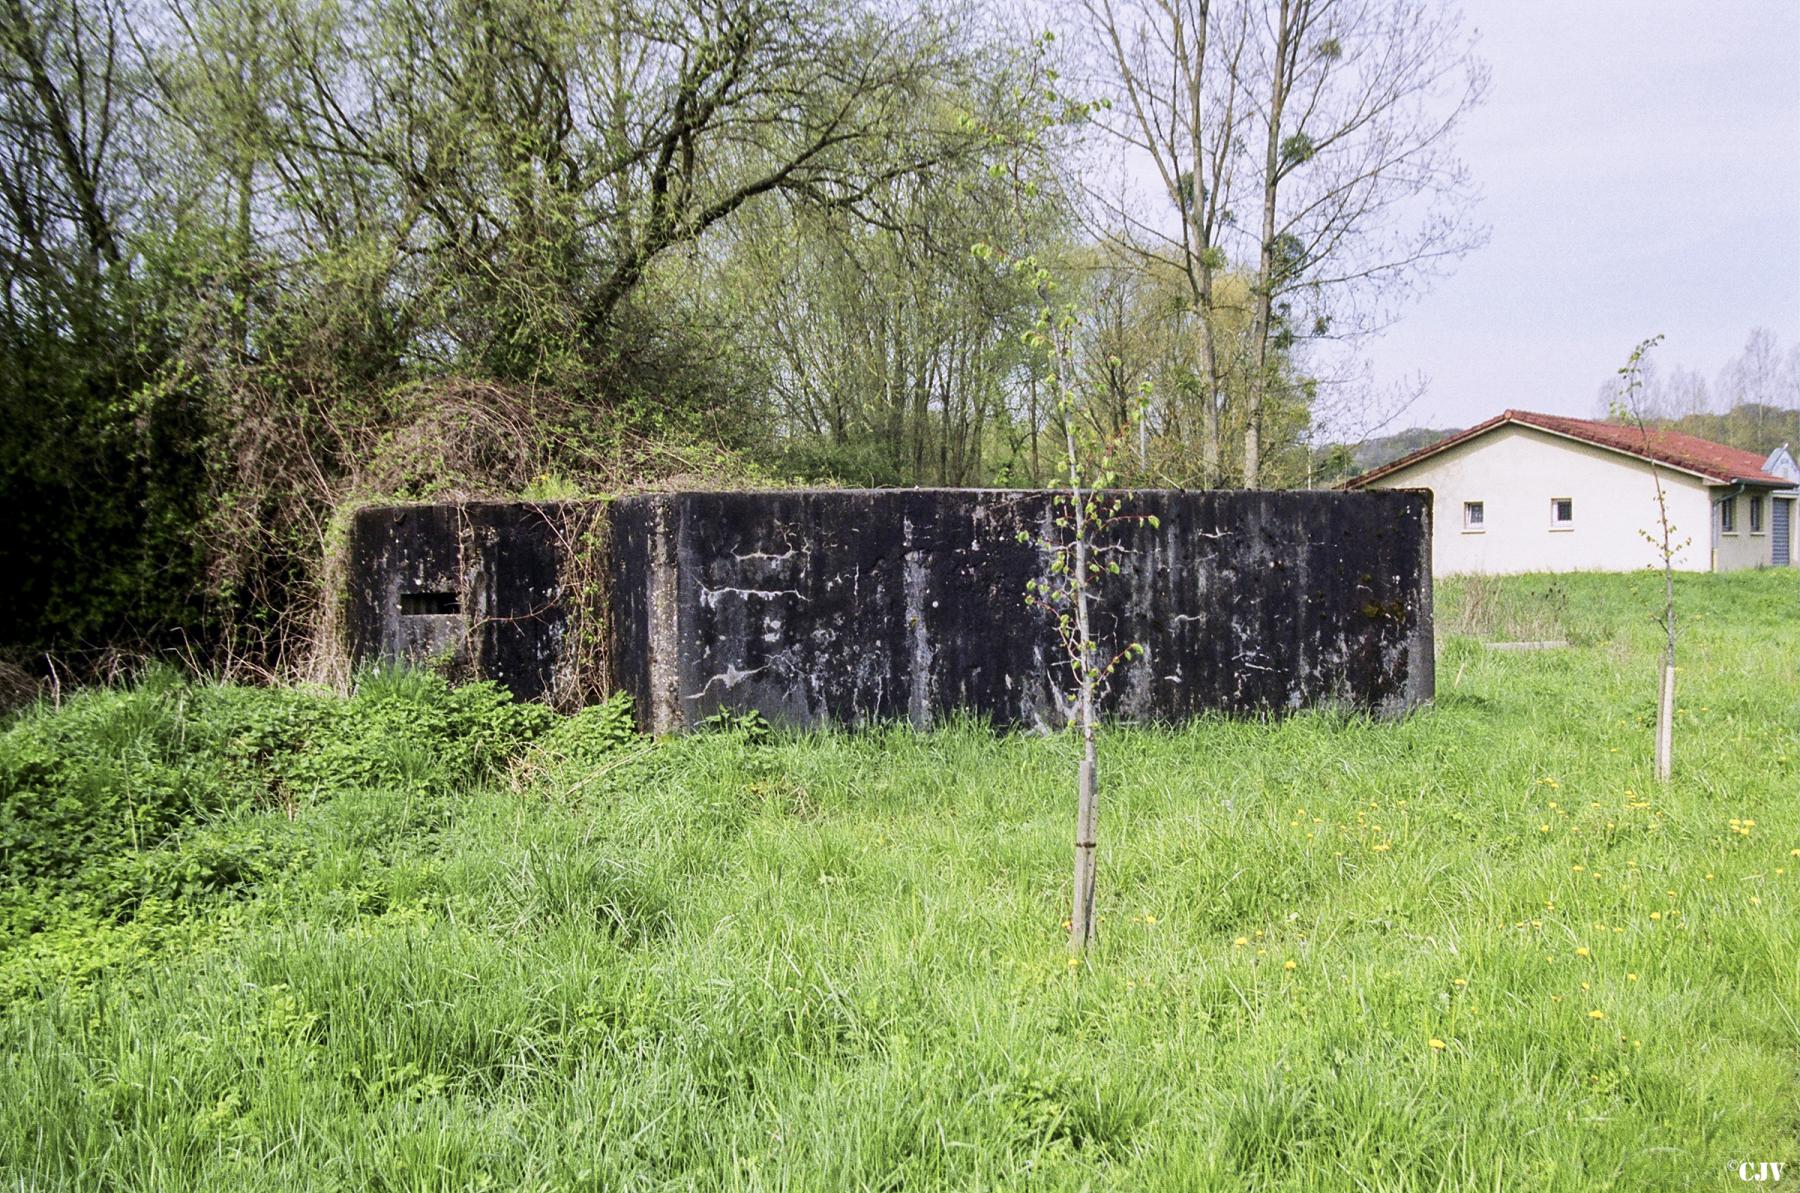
(1511, 418)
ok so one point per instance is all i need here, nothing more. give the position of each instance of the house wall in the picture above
(1793, 530)
(1515, 471)
(1744, 548)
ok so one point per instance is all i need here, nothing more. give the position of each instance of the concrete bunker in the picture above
(846, 607)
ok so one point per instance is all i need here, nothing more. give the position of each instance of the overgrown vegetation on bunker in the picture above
(428, 934)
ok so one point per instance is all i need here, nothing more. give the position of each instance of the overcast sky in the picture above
(1639, 162)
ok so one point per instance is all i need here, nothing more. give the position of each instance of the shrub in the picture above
(113, 770)
(589, 736)
(107, 799)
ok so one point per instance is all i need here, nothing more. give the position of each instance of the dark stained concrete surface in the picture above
(845, 607)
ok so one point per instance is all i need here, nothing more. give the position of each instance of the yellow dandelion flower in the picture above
(1582, 951)
(1586, 986)
(1596, 1014)
(1149, 919)
(1578, 868)
(1543, 828)
(1383, 847)
(1437, 1045)
(1756, 900)
(1241, 941)
(1631, 977)
(1461, 982)
(1656, 915)
(1074, 962)
(1291, 965)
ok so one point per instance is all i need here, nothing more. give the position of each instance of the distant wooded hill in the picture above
(1373, 453)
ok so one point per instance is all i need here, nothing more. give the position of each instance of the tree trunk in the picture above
(1281, 75)
(1665, 722)
(1032, 391)
(1081, 919)
(1209, 422)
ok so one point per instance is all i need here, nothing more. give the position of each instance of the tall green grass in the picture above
(1478, 949)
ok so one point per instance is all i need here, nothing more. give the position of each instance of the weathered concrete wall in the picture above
(843, 607)
(479, 588)
(833, 607)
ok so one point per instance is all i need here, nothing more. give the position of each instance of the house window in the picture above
(1756, 526)
(1562, 513)
(1728, 516)
(1473, 515)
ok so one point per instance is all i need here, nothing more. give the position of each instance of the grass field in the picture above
(1480, 949)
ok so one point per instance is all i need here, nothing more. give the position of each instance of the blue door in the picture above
(1780, 515)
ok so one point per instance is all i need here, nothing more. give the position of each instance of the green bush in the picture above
(589, 736)
(117, 796)
(402, 730)
(112, 770)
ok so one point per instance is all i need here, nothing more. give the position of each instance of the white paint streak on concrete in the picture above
(920, 704)
(710, 596)
(730, 677)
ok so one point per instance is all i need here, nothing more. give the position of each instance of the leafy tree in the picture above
(265, 257)
(1081, 546)
(1667, 547)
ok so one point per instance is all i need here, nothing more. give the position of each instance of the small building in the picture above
(1526, 492)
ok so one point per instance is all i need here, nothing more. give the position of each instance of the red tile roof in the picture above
(1713, 462)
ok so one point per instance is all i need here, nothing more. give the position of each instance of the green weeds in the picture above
(425, 938)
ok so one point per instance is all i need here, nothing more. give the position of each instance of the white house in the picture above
(1525, 492)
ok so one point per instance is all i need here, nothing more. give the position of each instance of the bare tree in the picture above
(1362, 196)
(1754, 379)
(62, 102)
(1336, 119)
(1172, 70)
